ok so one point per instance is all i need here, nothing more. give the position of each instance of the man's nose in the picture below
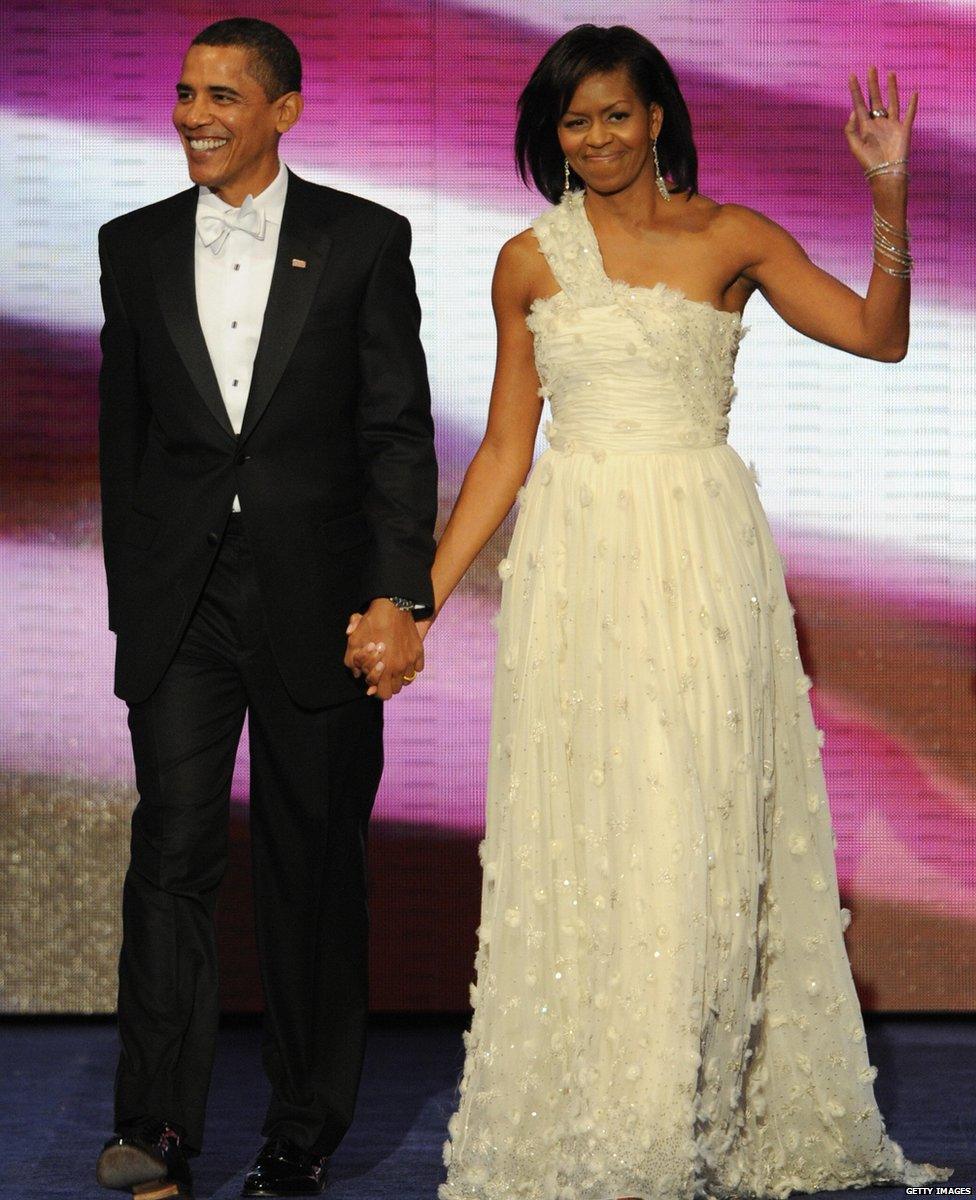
(197, 113)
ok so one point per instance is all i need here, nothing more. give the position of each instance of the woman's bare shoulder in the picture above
(742, 221)
(521, 269)
(520, 253)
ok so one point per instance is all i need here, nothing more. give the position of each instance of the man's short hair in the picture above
(274, 59)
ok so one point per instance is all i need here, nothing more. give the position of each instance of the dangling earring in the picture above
(566, 176)
(662, 187)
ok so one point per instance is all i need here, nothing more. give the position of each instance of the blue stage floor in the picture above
(57, 1081)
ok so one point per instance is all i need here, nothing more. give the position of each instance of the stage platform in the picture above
(57, 1083)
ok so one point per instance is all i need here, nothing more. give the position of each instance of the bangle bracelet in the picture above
(882, 174)
(886, 226)
(898, 274)
(886, 250)
(884, 230)
(882, 166)
(893, 251)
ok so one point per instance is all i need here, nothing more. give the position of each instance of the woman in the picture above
(664, 1005)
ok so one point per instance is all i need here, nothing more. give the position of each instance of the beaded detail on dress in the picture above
(664, 1006)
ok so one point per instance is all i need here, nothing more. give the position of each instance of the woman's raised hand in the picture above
(883, 138)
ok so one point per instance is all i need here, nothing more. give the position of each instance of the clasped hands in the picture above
(386, 645)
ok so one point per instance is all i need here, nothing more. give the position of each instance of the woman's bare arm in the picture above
(809, 298)
(504, 457)
(502, 461)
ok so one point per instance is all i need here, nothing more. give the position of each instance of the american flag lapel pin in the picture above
(299, 262)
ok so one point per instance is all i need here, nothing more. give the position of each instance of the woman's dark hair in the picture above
(589, 50)
(275, 61)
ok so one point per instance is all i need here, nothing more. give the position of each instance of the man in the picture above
(267, 468)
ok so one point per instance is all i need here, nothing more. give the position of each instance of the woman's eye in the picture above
(619, 114)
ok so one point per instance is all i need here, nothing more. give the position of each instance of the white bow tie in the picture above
(214, 227)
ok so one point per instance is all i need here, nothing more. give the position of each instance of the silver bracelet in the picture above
(882, 167)
(898, 274)
(887, 227)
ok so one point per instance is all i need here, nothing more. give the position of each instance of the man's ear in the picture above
(290, 107)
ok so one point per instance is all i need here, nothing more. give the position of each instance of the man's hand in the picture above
(386, 644)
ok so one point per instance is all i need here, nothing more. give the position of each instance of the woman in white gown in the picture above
(664, 1006)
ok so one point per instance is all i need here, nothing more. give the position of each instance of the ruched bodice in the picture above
(626, 368)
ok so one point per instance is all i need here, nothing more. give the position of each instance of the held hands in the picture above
(883, 139)
(385, 644)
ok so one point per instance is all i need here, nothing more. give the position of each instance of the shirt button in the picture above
(233, 324)
(235, 383)
(237, 266)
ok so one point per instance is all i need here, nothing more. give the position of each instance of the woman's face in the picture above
(606, 132)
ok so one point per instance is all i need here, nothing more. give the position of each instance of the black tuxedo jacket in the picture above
(334, 464)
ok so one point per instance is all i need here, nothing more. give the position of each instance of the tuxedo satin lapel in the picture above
(303, 247)
(174, 276)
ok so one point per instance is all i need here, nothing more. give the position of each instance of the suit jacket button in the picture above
(241, 458)
(213, 538)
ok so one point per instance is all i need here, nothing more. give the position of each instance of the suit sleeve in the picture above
(123, 423)
(395, 428)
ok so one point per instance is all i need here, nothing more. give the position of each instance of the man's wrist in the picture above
(417, 610)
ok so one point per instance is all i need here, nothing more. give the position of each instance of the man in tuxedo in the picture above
(267, 468)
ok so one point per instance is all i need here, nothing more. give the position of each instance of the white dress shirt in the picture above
(232, 288)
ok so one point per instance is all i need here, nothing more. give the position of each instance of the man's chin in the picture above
(204, 171)
(202, 175)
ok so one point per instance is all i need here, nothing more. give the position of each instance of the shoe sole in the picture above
(127, 1168)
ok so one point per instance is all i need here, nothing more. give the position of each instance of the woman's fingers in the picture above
(361, 657)
(894, 107)
(860, 108)
(874, 88)
(911, 111)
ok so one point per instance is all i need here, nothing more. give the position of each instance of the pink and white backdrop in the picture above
(866, 470)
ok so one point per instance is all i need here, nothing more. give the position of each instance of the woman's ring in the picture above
(878, 112)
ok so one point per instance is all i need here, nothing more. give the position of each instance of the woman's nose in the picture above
(598, 135)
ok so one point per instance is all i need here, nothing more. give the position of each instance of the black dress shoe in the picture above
(150, 1163)
(285, 1169)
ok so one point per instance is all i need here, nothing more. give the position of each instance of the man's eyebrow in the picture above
(214, 89)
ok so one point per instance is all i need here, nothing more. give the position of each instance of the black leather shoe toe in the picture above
(150, 1163)
(283, 1168)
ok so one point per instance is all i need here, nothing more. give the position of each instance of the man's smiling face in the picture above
(228, 126)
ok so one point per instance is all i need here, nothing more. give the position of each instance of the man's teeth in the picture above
(207, 143)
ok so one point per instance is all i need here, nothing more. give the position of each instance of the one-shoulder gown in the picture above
(664, 1005)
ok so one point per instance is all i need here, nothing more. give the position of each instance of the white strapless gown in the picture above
(664, 1006)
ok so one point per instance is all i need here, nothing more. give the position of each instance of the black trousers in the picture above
(314, 775)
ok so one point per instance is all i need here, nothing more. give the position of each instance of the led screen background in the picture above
(866, 470)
